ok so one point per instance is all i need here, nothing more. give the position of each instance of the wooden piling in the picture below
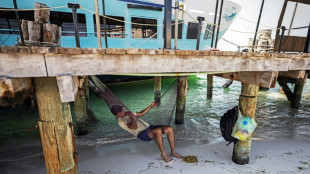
(181, 100)
(157, 89)
(55, 125)
(299, 86)
(209, 86)
(247, 106)
(80, 110)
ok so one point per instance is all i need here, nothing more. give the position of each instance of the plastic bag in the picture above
(244, 127)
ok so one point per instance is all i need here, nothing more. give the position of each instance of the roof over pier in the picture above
(50, 62)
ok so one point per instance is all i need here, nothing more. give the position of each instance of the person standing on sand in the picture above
(128, 122)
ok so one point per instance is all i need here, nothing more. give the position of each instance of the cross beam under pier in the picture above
(50, 62)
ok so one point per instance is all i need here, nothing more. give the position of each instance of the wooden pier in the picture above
(67, 68)
(52, 61)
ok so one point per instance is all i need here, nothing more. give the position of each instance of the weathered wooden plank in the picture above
(299, 63)
(64, 50)
(35, 31)
(91, 64)
(293, 74)
(150, 51)
(22, 49)
(22, 65)
(135, 51)
(52, 33)
(263, 79)
(93, 51)
(68, 87)
(14, 91)
(41, 16)
(24, 25)
(43, 50)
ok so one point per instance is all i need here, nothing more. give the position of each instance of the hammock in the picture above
(160, 115)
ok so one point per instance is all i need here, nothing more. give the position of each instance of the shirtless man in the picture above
(138, 128)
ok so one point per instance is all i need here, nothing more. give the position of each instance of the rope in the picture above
(49, 8)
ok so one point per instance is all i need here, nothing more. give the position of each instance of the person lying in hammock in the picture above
(137, 127)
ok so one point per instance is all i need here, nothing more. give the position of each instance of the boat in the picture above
(123, 17)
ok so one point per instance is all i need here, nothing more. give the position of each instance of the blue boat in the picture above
(123, 22)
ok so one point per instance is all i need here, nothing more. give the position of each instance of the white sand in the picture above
(267, 156)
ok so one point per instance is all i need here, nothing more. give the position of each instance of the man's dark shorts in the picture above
(143, 135)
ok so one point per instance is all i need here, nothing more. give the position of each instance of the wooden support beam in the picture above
(68, 87)
(15, 91)
(55, 125)
(80, 108)
(157, 89)
(181, 100)
(264, 79)
(299, 86)
(297, 75)
(247, 106)
(209, 86)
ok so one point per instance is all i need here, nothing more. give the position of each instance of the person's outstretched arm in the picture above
(144, 111)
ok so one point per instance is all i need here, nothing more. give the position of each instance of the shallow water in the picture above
(274, 116)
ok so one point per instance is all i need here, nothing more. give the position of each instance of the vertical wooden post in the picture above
(55, 125)
(181, 100)
(247, 105)
(176, 25)
(209, 86)
(98, 24)
(80, 110)
(299, 86)
(157, 89)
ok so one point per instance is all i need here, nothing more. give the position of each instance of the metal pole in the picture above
(219, 24)
(200, 19)
(105, 25)
(168, 6)
(281, 39)
(18, 22)
(75, 21)
(292, 20)
(307, 46)
(260, 14)
(214, 23)
(98, 24)
(176, 25)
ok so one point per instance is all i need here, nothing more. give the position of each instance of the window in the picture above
(65, 20)
(8, 20)
(144, 31)
(115, 28)
(192, 30)
(208, 32)
(180, 30)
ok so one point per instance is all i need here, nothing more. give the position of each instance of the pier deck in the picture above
(51, 62)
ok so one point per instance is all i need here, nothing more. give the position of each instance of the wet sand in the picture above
(267, 156)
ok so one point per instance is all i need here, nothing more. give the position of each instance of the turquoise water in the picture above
(274, 116)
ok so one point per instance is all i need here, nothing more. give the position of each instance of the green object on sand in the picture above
(190, 159)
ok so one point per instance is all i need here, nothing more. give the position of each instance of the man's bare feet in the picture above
(166, 158)
(175, 154)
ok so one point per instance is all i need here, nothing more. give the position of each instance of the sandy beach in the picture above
(134, 156)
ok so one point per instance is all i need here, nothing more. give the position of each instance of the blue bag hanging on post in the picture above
(244, 127)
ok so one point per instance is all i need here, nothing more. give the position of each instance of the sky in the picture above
(269, 19)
